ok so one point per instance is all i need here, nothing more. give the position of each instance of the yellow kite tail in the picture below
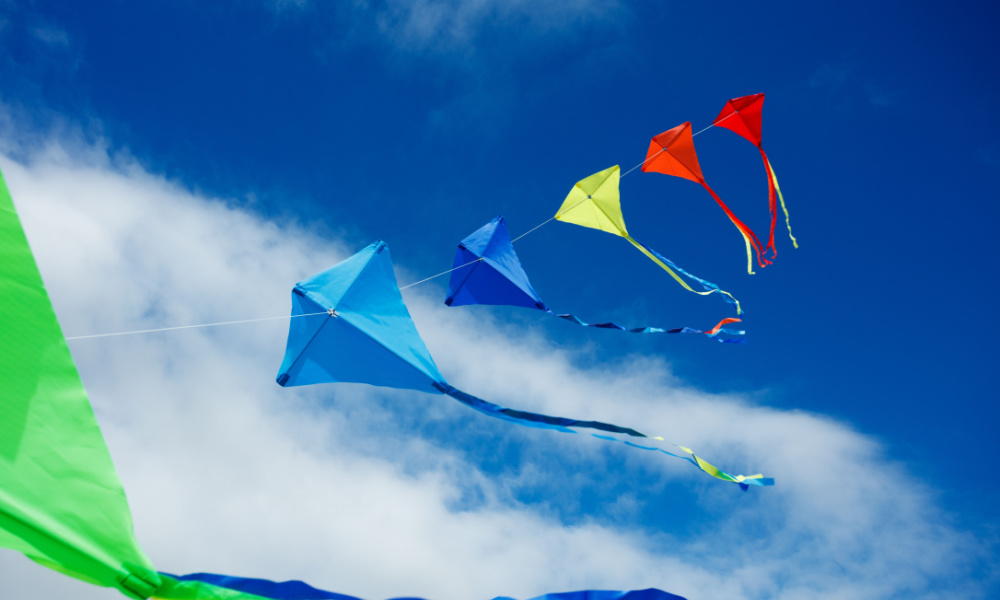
(711, 288)
(665, 267)
(788, 223)
(746, 241)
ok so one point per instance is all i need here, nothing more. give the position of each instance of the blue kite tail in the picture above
(715, 333)
(707, 285)
(529, 419)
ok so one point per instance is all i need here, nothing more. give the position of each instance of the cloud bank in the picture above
(378, 493)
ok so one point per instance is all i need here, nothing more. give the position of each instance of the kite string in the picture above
(100, 335)
(648, 158)
(535, 227)
(441, 273)
(549, 220)
(546, 222)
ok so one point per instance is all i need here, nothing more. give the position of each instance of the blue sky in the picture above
(417, 121)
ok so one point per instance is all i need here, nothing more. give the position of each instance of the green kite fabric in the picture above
(61, 502)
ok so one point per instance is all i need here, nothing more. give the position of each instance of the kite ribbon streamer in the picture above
(354, 327)
(672, 153)
(712, 333)
(666, 264)
(566, 425)
(781, 197)
(749, 237)
(61, 501)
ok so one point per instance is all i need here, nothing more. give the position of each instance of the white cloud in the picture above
(383, 493)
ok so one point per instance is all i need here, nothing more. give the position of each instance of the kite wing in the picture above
(61, 501)
(595, 202)
(743, 117)
(487, 271)
(672, 153)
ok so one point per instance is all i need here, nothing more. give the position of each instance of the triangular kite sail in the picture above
(487, 271)
(61, 501)
(672, 153)
(595, 202)
(356, 305)
(743, 117)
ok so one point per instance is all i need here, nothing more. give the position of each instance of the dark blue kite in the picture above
(487, 271)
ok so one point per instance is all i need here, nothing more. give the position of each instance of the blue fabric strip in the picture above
(707, 285)
(297, 590)
(285, 590)
(528, 418)
(650, 594)
(716, 335)
(539, 421)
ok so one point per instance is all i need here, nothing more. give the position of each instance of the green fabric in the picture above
(61, 502)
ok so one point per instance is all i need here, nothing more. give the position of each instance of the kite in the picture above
(596, 203)
(748, 125)
(61, 501)
(349, 324)
(672, 153)
(487, 271)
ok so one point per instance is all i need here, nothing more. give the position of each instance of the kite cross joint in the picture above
(332, 312)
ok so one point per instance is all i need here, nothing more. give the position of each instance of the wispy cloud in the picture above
(989, 154)
(380, 493)
(837, 85)
(881, 96)
(420, 25)
(51, 35)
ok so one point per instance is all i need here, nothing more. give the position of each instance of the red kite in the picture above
(672, 153)
(742, 116)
